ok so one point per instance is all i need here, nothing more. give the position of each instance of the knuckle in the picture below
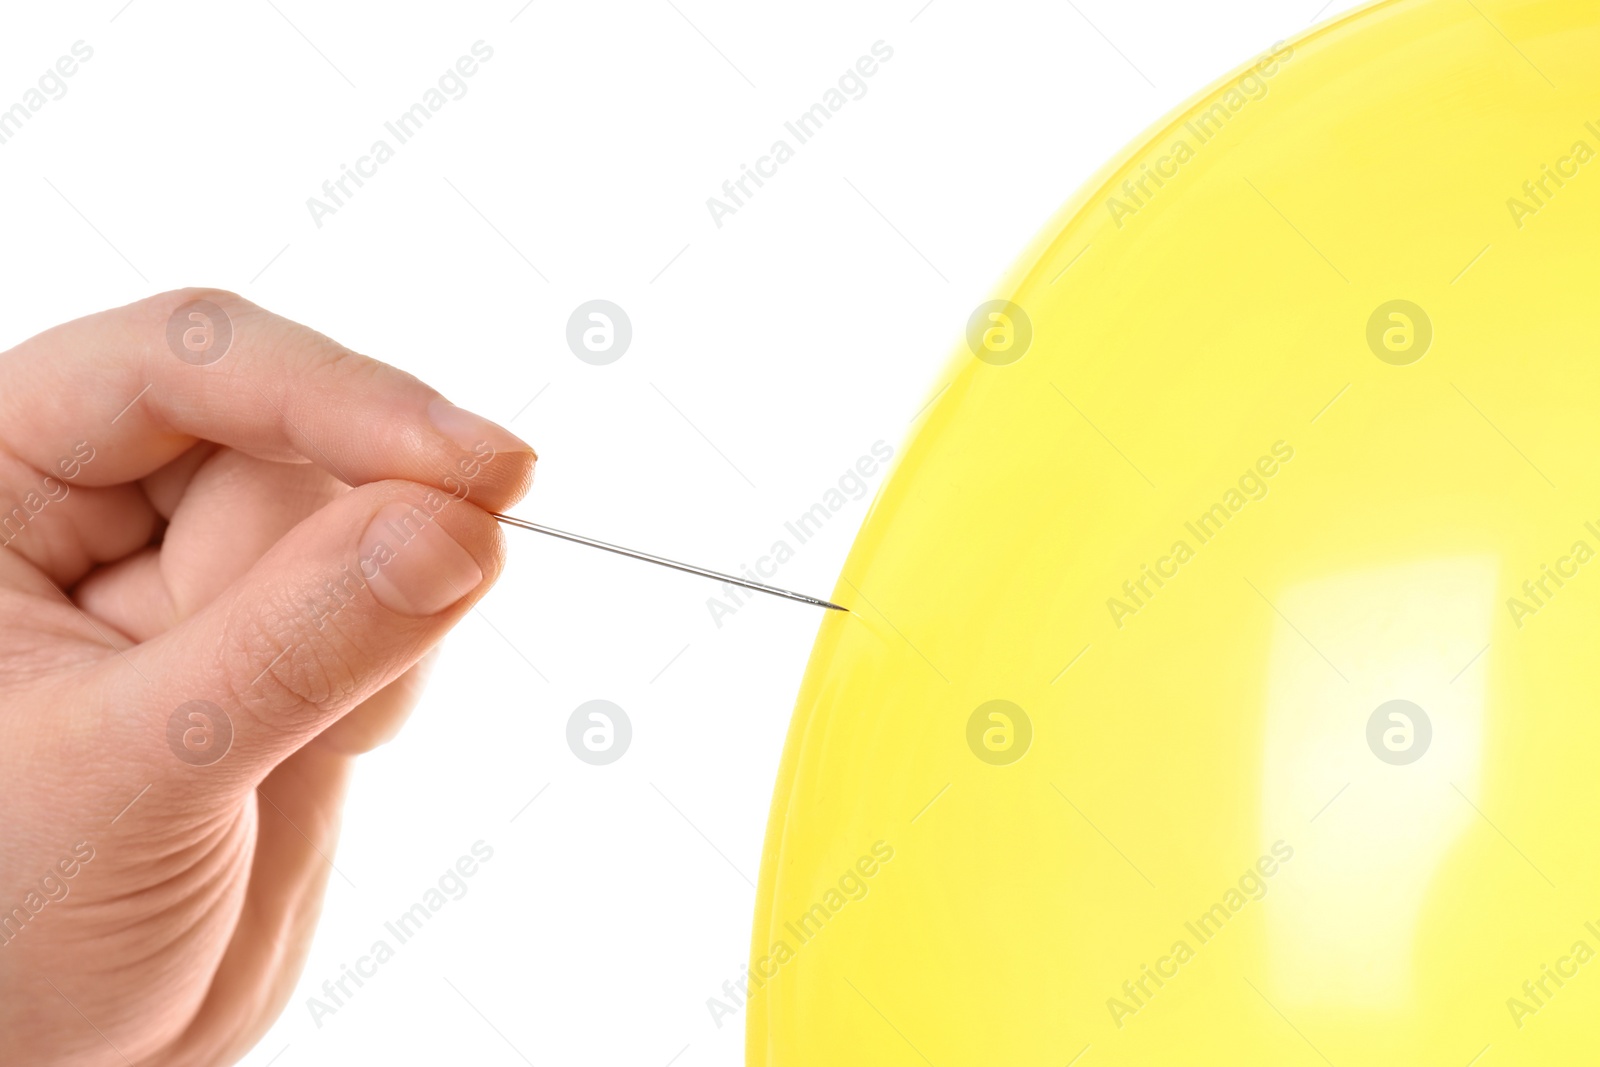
(291, 666)
(157, 313)
(349, 369)
(340, 363)
(223, 298)
(308, 352)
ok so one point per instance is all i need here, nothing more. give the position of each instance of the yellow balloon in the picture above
(1219, 684)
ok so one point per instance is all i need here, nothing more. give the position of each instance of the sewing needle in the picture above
(701, 571)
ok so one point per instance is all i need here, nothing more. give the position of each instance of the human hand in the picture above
(228, 544)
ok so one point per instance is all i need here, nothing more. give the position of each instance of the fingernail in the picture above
(412, 566)
(471, 431)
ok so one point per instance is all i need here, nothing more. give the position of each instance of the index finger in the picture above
(134, 387)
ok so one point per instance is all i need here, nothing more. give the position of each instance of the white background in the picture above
(768, 355)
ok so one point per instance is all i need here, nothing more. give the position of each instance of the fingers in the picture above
(63, 530)
(340, 607)
(299, 807)
(379, 718)
(114, 396)
(130, 596)
(235, 507)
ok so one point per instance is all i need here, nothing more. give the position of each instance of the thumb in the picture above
(342, 605)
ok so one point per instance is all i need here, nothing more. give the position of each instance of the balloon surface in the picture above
(1220, 678)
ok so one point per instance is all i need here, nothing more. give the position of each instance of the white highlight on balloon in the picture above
(1370, 857)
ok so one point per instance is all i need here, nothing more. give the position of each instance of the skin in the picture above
(186, 560)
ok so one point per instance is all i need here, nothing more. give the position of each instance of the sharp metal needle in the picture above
(701, 571)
